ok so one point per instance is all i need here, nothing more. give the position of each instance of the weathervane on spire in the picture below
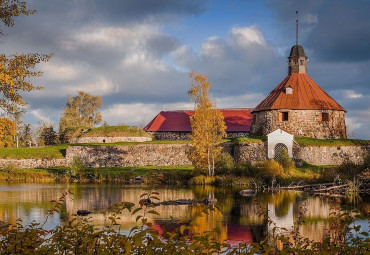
(296, 32)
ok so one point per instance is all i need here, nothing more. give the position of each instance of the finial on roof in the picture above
(296, 31)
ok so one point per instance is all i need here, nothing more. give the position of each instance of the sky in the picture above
(137, 54)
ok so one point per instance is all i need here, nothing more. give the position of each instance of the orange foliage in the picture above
(7, 132)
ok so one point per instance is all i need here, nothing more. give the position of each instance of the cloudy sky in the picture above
(137, 54)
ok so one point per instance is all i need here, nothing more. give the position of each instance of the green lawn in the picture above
(109, 131)
(305, 141)
(48, 152)
(247, 140)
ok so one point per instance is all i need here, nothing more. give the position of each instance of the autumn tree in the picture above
(207, 124)
(7, 132)
(17, 70)
(81, 110)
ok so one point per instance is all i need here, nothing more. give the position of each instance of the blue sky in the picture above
(137, 54)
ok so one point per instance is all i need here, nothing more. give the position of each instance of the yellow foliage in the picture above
(207, 124)
(269, 168)
(7, 132)
(16, 72)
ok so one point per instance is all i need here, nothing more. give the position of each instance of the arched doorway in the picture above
(279, 148)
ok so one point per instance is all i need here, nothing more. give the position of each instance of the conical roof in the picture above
(297, 51)
(307, 95)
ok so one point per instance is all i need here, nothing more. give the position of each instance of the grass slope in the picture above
(305, 141)
(112, 131)
(48, 152)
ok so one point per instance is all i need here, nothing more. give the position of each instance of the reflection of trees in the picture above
(282, 201)
(202, 223)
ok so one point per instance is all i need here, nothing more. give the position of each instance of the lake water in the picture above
(237, 220)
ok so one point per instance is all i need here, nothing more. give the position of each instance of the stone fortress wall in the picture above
(176, 154)
(115, 139)
(302, 123)
(177, 135)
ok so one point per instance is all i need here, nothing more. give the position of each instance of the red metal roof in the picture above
(236, 120)
(307, 95)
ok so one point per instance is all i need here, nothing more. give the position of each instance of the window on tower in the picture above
(283, 116)
(324, 116)
(301, 62)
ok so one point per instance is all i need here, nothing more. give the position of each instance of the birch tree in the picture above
(81, 110)
(207, 124)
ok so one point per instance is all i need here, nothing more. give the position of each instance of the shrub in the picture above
(284, 160)
(225, 164)
(366, 163)
(245, 169)
(348, 168)
(203, 180)
(270, 168)
(75, 167)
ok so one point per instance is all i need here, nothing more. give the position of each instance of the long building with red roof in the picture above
(175, 125)
(299, 106)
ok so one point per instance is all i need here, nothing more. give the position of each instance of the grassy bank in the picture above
(48, 152)
(305, 141)
(149, 174)
(105, 131)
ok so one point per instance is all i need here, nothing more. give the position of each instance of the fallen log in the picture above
(331, 188)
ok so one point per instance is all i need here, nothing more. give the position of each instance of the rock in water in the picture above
(210, 201)
(83, 212)
(247, 192)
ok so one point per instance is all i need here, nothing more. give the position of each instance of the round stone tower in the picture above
(299, 106)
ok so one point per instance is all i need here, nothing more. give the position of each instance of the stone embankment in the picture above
(176, 154)
(33, 163)
(325, 155)
(130, 155)
(116, 139)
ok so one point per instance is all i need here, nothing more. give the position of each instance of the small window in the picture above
(289, 90)
(325, 116)
(295, 61)
(301, 61)
(283, 116)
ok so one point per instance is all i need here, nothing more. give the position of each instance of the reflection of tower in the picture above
(283, 221)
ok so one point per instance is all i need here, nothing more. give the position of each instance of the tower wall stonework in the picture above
(301, 123)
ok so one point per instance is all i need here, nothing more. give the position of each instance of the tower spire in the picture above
(296, 30)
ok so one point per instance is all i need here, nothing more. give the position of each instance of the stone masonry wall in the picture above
(135, 155)
(172, 136)
(175, 154)
(175, 136)
(332, 155)
(33, 163)
(116, 139)
(252, 152)
(301, 123)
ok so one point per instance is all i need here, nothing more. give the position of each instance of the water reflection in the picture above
(239, 218)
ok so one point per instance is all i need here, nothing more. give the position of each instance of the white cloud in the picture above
(351, 94)
(59, 71)
(245, 36)
(139, 113)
